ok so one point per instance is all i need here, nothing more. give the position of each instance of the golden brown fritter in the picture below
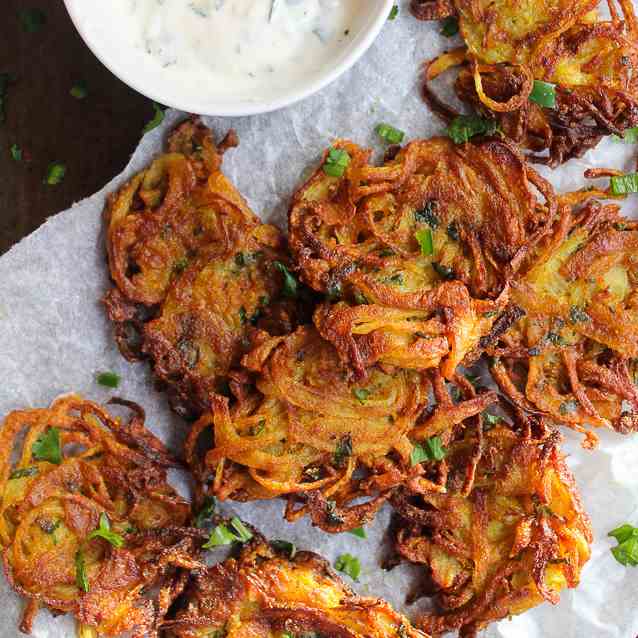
(88, 520)
(418, 250)
(312, 434)
(194, 270)
(266, 594)
(507, 533)
(572, 356)
(510, 44)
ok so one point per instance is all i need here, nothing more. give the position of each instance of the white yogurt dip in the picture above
(249, 49)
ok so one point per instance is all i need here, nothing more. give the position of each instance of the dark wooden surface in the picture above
(93, 137)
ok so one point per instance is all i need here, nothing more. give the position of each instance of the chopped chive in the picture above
(47, 447)
(424, 237)
(108, 379)
(336, 162)
(359, 532)
(629, 136)
(81, 579)
(206, 512)
(544, 94)
(361, 394)
(348, 564)
(79, 90)
(464, 127)
(389, 133)
(394, 12)
(290, 286)
(16, 152)
(23, 473)
(104, 532)
(55, 173)
(624, 184)
(430, 450)
(158, 118)
(285, 547)
(626, 552)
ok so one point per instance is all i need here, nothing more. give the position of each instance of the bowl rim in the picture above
(244, 108)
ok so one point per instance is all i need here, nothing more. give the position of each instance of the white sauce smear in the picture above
(248, 48)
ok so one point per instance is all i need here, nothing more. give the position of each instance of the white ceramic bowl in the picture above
(134, 68)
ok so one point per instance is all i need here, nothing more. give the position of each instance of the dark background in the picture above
(94, 137)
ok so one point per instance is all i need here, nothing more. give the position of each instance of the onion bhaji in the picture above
(572, 356)
(194, 269)
(417, 253)
(510, 44)
(270, 594)
(89, 522)
(507, 533)
(311, 434)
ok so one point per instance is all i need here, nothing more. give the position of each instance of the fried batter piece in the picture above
(573, 355)
(194, 269)
(508, 533)
(268, 594)
(314, 436)
(419, 250)
(67, 472)
(509, 44)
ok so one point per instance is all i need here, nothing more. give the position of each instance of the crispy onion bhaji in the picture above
(269, 594)
(310, 434)
(593, 64)
(573, 354)
(416, 254)
(194, 269)
(508, 533)
(88, 521)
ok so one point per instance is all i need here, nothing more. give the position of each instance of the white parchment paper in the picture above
(54, 336)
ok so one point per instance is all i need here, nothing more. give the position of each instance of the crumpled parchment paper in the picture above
(54, 336)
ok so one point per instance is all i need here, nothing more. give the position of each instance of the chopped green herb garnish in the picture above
(158, 118)
(567, 407)
(55, 173)
(389, 133)
(79, 90)
(336, 162)
(16, 152)
(629, 136)
(206, 512)
(32, 19)
(361, 394)
(81, 578)
(108, 379)
(343, 451)
(221, 535)
(243, 533)
(23, 473)
(359, 532)
(424, 237)
(626, 552)
(450, 26)
(104, 532)
(445, 272)
(426, 214)
(464, 127)
(394, 12)
(286, 547)
(360, 298)
(577, 315)
(492, 419)
(348, 564)
(47, 447)
(290, 286)
(430, 450)
(624, 184)
(242, 315)
(543, 93)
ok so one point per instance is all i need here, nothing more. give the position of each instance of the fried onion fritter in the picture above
(515, 536)
(68, 471)
(313, 435)
(268, 594)
(573, 355)
(418, 251)
(194, 270)
(593, 64)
